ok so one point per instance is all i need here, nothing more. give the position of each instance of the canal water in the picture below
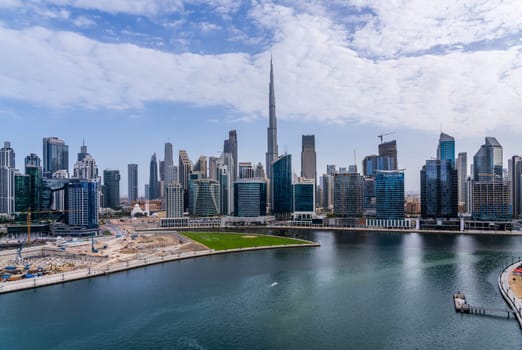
(357, 291)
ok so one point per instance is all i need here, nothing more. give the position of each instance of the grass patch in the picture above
(222, 241)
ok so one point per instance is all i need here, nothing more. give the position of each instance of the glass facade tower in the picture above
(446, 148)
(348, 194)
(55, 156)
(132, 178)
(389, 193)
(250, 197)
(487, 162)
(281, 183)
(81, 203)
(111, 189)
(439, 190)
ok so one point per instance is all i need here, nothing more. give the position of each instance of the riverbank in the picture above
(36, 282)
(511, 293)
(329, 228)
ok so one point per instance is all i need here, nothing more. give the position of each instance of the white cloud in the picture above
(405, 27)
(319, 77)
(135, 7)
(9, 4)
(207, 27)
(83, 22)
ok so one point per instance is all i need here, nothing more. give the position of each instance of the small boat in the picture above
(274, 284)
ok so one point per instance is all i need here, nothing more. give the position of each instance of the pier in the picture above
(462, 306)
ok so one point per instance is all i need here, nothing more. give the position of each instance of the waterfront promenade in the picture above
(327, 228)
(511, 289)
(13, 286)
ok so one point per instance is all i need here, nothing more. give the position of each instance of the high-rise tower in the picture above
(487, 162)
(132, 178)
(7, 179)
(55, 156)
(308, 158)
(230, 146)
(111, 189)
(154, 191)
(446, 148)
(272, 152)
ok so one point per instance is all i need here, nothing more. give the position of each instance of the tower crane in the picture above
(29, 212)
(381, 135)
(28, 239)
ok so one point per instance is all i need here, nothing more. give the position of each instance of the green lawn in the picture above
(222, 241)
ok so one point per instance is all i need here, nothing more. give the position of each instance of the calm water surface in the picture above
(357, 291)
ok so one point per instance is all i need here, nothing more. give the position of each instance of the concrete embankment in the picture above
(513, 300)
(13, 286)
(328, 228)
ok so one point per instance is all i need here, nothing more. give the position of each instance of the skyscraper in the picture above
(308, 158)
(205, 198)
(169, 155)
(487, 162)
(226, 183)
(446, 148)
(174, 200)
(212, 168)
(169, 169)
(462, 172)
(389, 193)
(55, 156)
(250, 197)
(154, 190)
(281, 186)
(246, 170)
(259, 171)
(83, 152)
(7, 179)
(111, 189)
(132, 179)
(28, 187)
(348, 194)
(328, 191)
(303, 199)
(439, 189)
(331, 169)
(85, 168)
(81, 203)
(201, 166)
(491, 200)
(185, 168)
(389, 149)
(272, 152)
(374, 163)
(516, 173)
(230, 146)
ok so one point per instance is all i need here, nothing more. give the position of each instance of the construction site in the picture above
(92, 255)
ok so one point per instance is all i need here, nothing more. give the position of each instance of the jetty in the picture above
(462, 306)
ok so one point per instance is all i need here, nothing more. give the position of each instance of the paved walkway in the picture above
(511, 296)
(6, 287)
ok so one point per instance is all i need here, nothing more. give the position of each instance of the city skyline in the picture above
(194, 78)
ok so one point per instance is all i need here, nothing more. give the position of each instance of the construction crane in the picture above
(381, 135)
(29, 212)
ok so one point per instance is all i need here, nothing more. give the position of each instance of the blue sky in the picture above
(129, 75)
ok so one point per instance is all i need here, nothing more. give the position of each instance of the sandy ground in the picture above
(515, 284)
(111, 250)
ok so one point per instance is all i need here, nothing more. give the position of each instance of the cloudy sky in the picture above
(128, 75)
